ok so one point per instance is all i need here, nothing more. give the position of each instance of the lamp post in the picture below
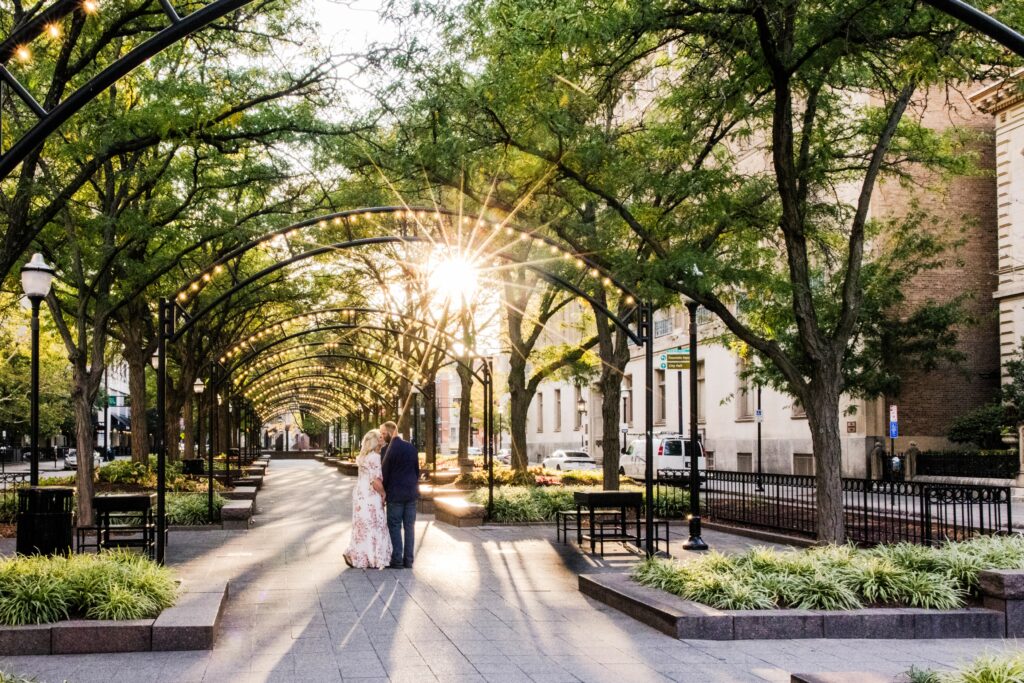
(197, 387)
(760, 418)
(695, 542)
(581, 408)
(36, 278)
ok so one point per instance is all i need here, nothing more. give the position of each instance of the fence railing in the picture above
(875, 511)
(995, 465)
(10, 482)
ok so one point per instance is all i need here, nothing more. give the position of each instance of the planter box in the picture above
(458, 512)
(240, 493)
(191, 624)
(236, 514)
(1003, 590)
(686, 619)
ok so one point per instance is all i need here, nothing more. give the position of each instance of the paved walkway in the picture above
(491, 604)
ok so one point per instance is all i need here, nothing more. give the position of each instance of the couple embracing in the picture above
(389, 473)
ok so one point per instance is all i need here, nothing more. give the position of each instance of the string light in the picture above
(555, 250)
(90, 6)
(53, 30)
(23, 54)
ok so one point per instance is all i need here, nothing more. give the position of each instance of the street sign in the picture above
(893, 417)
(893, 429)
(758, 416)
(677, 361)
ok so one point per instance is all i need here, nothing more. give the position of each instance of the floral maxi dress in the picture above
(370, 546)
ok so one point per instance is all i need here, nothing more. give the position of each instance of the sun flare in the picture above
(453, 278)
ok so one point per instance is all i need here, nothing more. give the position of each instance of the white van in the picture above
(671, 452)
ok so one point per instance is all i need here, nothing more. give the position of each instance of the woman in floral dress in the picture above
(370, 546)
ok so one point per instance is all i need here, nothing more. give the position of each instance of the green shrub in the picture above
(582, 478)
(113, 585)
(517, 504)
(837, 577)
(192, 509)
(982, 426)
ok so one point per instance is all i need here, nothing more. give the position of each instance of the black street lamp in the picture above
(695, 542)
(581, 408)
(760, 418)
(36, 278)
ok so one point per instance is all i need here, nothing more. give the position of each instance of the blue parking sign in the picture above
(893, 429)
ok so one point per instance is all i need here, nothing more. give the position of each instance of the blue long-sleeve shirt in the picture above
(400, 471)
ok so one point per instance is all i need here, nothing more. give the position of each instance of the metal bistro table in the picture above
(605, 500)
(129, 516)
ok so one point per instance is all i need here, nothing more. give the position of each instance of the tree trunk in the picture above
(465, 416)
(430, 423)
(613, 350)
(519, 403)
(822, 407)
(84, 443)
(190, 436)
(137, 391)
(223, 428)
(173, 418)
(609, 385)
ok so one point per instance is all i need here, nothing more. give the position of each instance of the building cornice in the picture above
(1000, 95)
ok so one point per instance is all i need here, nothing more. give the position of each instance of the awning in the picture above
(119, 423)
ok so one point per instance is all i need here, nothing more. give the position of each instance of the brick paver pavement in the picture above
(490, 604)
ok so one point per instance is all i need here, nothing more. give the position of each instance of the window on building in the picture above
(540, 412)
(803, 463)
(745, 462)
(704, 316)
(798, 409)
(662, 327)
(659, 397)
(627, 400)
(745, 393)
(557, 424)
(700, 391)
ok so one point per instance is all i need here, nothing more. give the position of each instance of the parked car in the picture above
(569, 460)
(671, 452)
(474, 450)
(71, 459)
(504, 456)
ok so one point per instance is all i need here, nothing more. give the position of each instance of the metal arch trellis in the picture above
(50, 120)
(584, 261)
(271, 373)
(288, 385)
(350, 311)
(362, 326)
(642, 313)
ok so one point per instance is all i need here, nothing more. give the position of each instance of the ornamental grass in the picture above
(112, 585)
(837, 577)
(988, 668)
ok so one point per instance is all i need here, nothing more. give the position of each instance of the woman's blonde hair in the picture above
(371, 440)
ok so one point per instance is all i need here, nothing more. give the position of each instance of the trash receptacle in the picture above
(45, 520)
(193, 466)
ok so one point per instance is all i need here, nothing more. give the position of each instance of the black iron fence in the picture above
(876, 511)
(10, 482)
(997, 465)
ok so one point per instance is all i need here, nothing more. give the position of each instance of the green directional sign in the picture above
(677, 361)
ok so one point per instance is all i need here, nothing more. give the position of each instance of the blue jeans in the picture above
(402, 515)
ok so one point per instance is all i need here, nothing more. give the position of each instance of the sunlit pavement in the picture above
(490, 604)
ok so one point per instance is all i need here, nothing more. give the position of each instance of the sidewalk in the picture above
(486, 604)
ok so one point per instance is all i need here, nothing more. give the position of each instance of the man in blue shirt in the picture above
(401, 473)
